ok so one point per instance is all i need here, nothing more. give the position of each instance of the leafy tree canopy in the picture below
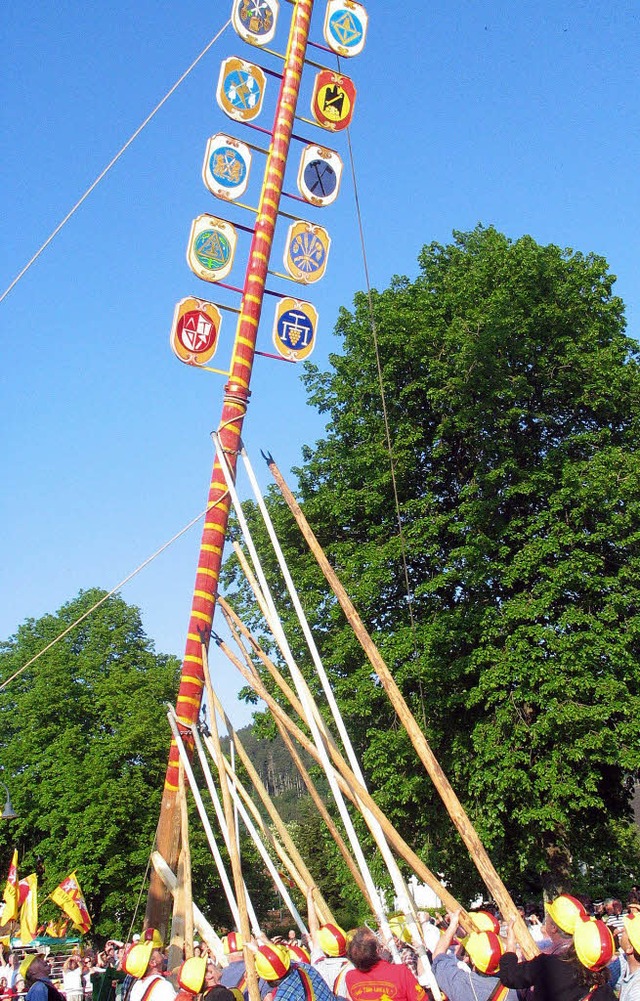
(512, 396)
(84, 746)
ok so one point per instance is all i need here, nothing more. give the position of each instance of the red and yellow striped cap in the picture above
(485, 949)
(332, 940)
(594, 943)
(298, 954)
(233, 942)
(272, 962)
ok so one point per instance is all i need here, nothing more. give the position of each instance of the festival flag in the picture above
(51, 930)
(68, 896)
(10, 896)
(28, 897)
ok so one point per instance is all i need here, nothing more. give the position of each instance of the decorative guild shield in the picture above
(212, 245)
(306, 251)
(195, 330)
(241, 89)
(226, 166)
(294, 329)
(333, 100)
(255, 20)
(319, 175)
(345, 27)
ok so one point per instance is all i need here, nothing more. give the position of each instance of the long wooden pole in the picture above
(206, 932)
(233, 622)
(267, 833)
(181, 943)
(234, 408)
(269, 806)
(453, 805)
(347, 780)
(232, 845)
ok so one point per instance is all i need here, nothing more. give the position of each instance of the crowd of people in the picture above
(585, 954)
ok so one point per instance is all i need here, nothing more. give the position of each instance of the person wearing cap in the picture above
(477, 981)
(212, 989)
(37, 976)
(234, 976)
(566, 976)
(289, 981)
(328, 947)
(372, 976)
(560, 916)
(629, 939)
(145, 962)
(235, 973)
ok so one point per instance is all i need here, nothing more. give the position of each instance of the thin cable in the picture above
(387, 430)
(111, 592)
(111, 164)
(137, 907)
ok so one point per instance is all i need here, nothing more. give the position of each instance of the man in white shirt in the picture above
(146, 962)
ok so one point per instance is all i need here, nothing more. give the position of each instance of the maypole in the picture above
(196, 324)
(235, 402)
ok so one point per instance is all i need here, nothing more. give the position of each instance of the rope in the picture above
(110, 165)
(113, 590)
(137, 907)
(387, 430)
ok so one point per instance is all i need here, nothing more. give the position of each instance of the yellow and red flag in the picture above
(68, 896)
(10, 896)
(28, 898)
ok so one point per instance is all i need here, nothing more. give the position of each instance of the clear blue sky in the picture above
(522, 115)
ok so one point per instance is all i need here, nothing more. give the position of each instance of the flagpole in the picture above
(235, 404)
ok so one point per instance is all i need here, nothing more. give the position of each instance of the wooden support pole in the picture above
(185, 860)
(268, 835)
(346, 779)
(205, 930)
(175, 952)
(234, 854)
(268, 804)
(233, 621)
(452, 804)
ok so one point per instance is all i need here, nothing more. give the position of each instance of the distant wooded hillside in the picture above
(278, 772)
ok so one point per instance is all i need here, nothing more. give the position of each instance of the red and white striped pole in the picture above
(236, 399)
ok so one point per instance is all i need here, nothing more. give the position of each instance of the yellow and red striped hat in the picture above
(272, 961)
(298, 954)
(332, 940)
(137, 959)
(632, 928)
(191, 974)
(485, 921)
(153, 935)
(594, 943)
(564, 911)
(485, 949)
(233, 942)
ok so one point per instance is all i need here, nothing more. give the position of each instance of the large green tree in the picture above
(512, 397)
(83, 747)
